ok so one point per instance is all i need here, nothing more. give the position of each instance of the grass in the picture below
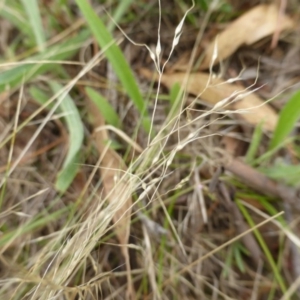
(116, 58)
(63, 223)
(76, 134)
(32, 10)
(289, 116)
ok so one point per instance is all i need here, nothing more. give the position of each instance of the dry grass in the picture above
(191, 235)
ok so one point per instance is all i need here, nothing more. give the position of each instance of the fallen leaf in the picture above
(259, 22)
(217, 90)
(115, 187)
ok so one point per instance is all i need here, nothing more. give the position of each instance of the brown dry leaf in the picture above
(252, 26)
(112, 170)
(218, 90)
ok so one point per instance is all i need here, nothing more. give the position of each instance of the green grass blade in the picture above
(16, 16)
(116, 58)
(289, 174)
(38, 95)
(175, 93)
(107, 111)
(38, 222)
(33, 12)
(76, 134)
(269, 154)
(238, 258)
(67, 174)
(255, 142)
(118, 13)
(228, 263)
(288, 117)
(18, 75)
(265, 248)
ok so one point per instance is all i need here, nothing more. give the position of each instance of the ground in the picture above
(149, 149)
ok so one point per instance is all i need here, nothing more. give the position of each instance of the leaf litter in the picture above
(199, 274)
(257, 23)
(216, 92)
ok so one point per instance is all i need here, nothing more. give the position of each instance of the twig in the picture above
(261, 183)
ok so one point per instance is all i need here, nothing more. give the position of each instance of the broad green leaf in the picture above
(107, 111)
(116, 58)
(33, 12)
(16, 76)
(288, 118)
(76, 134)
